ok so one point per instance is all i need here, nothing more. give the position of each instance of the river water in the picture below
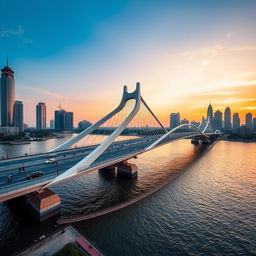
(208, 207)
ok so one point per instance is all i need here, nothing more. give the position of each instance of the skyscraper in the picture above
(209, 112)
(217, 120)
(227, 118)
(18, 115)
(248, 120)
(63, 120)
(40, 116)
(68, 120)
(174, 120)
(7, 92)
(254, 124)
(236, 121)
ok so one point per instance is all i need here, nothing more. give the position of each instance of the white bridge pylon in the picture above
(100, 149)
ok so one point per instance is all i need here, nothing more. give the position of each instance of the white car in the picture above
(50, 160)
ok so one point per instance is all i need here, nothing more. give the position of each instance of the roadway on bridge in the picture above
(66, 159)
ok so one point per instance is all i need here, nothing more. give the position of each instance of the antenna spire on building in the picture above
(7, 61)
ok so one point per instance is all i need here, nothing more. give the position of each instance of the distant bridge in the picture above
(145, 132)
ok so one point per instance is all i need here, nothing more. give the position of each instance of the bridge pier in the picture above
(44, 205)
(195, 141)
(109, 170)
(123, 169)
(127, 169)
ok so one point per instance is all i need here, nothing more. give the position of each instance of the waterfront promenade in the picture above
(55, 242)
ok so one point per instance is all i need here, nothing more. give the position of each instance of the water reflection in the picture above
(212, 198)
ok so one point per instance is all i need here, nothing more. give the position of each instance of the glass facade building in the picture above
(40, 116)
(18, 115)
(7, 96)
(63, 120)
(174, 120)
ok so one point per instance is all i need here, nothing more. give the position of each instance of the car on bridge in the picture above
(51, 161)
(34, 175)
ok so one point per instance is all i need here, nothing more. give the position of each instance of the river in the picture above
(208, 207)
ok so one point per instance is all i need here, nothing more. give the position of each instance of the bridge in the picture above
(135, 129)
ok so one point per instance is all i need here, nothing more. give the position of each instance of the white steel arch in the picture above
(126, 96)
(89, 159)
(172, 131)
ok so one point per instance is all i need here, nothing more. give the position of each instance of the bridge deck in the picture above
(19, 185)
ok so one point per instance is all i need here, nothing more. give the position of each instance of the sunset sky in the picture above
(79, 54)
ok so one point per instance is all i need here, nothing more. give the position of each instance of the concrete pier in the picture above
(195, 141)
(127, 169)
(44, 205)
(109, 171)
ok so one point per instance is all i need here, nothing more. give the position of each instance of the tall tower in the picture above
(174, 120)
(227, 118)
(209, 112)
(7, 92)
(248, 120)
(18, 115)
(236, 121)
(217, 120)
(40, 116)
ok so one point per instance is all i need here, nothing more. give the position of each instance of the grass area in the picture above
(69, 250)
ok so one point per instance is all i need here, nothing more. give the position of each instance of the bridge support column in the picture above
(127, 169)
(44, 205)
(195, 141)
(110, 170)
(206, 141)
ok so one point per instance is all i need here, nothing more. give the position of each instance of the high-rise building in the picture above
(254, 124)
(69, 120)
(63, 120)
(248, 120)
(40, 116)
(227, 118)
(236, 121)
(7, 92)
(18, 115)
(209, 112)
(174, 120)
(184, 121)
(51, 124)
(217, 120)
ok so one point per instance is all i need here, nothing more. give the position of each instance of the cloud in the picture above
(19, 32)
(249, 108)
(230, 101)
(215, 50)
(224, 93)
(8, 32)
(45, 92)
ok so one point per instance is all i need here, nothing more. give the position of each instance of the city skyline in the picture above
(46, 122)
(128, 42)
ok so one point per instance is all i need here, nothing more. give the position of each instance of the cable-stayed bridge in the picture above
(128, 131)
